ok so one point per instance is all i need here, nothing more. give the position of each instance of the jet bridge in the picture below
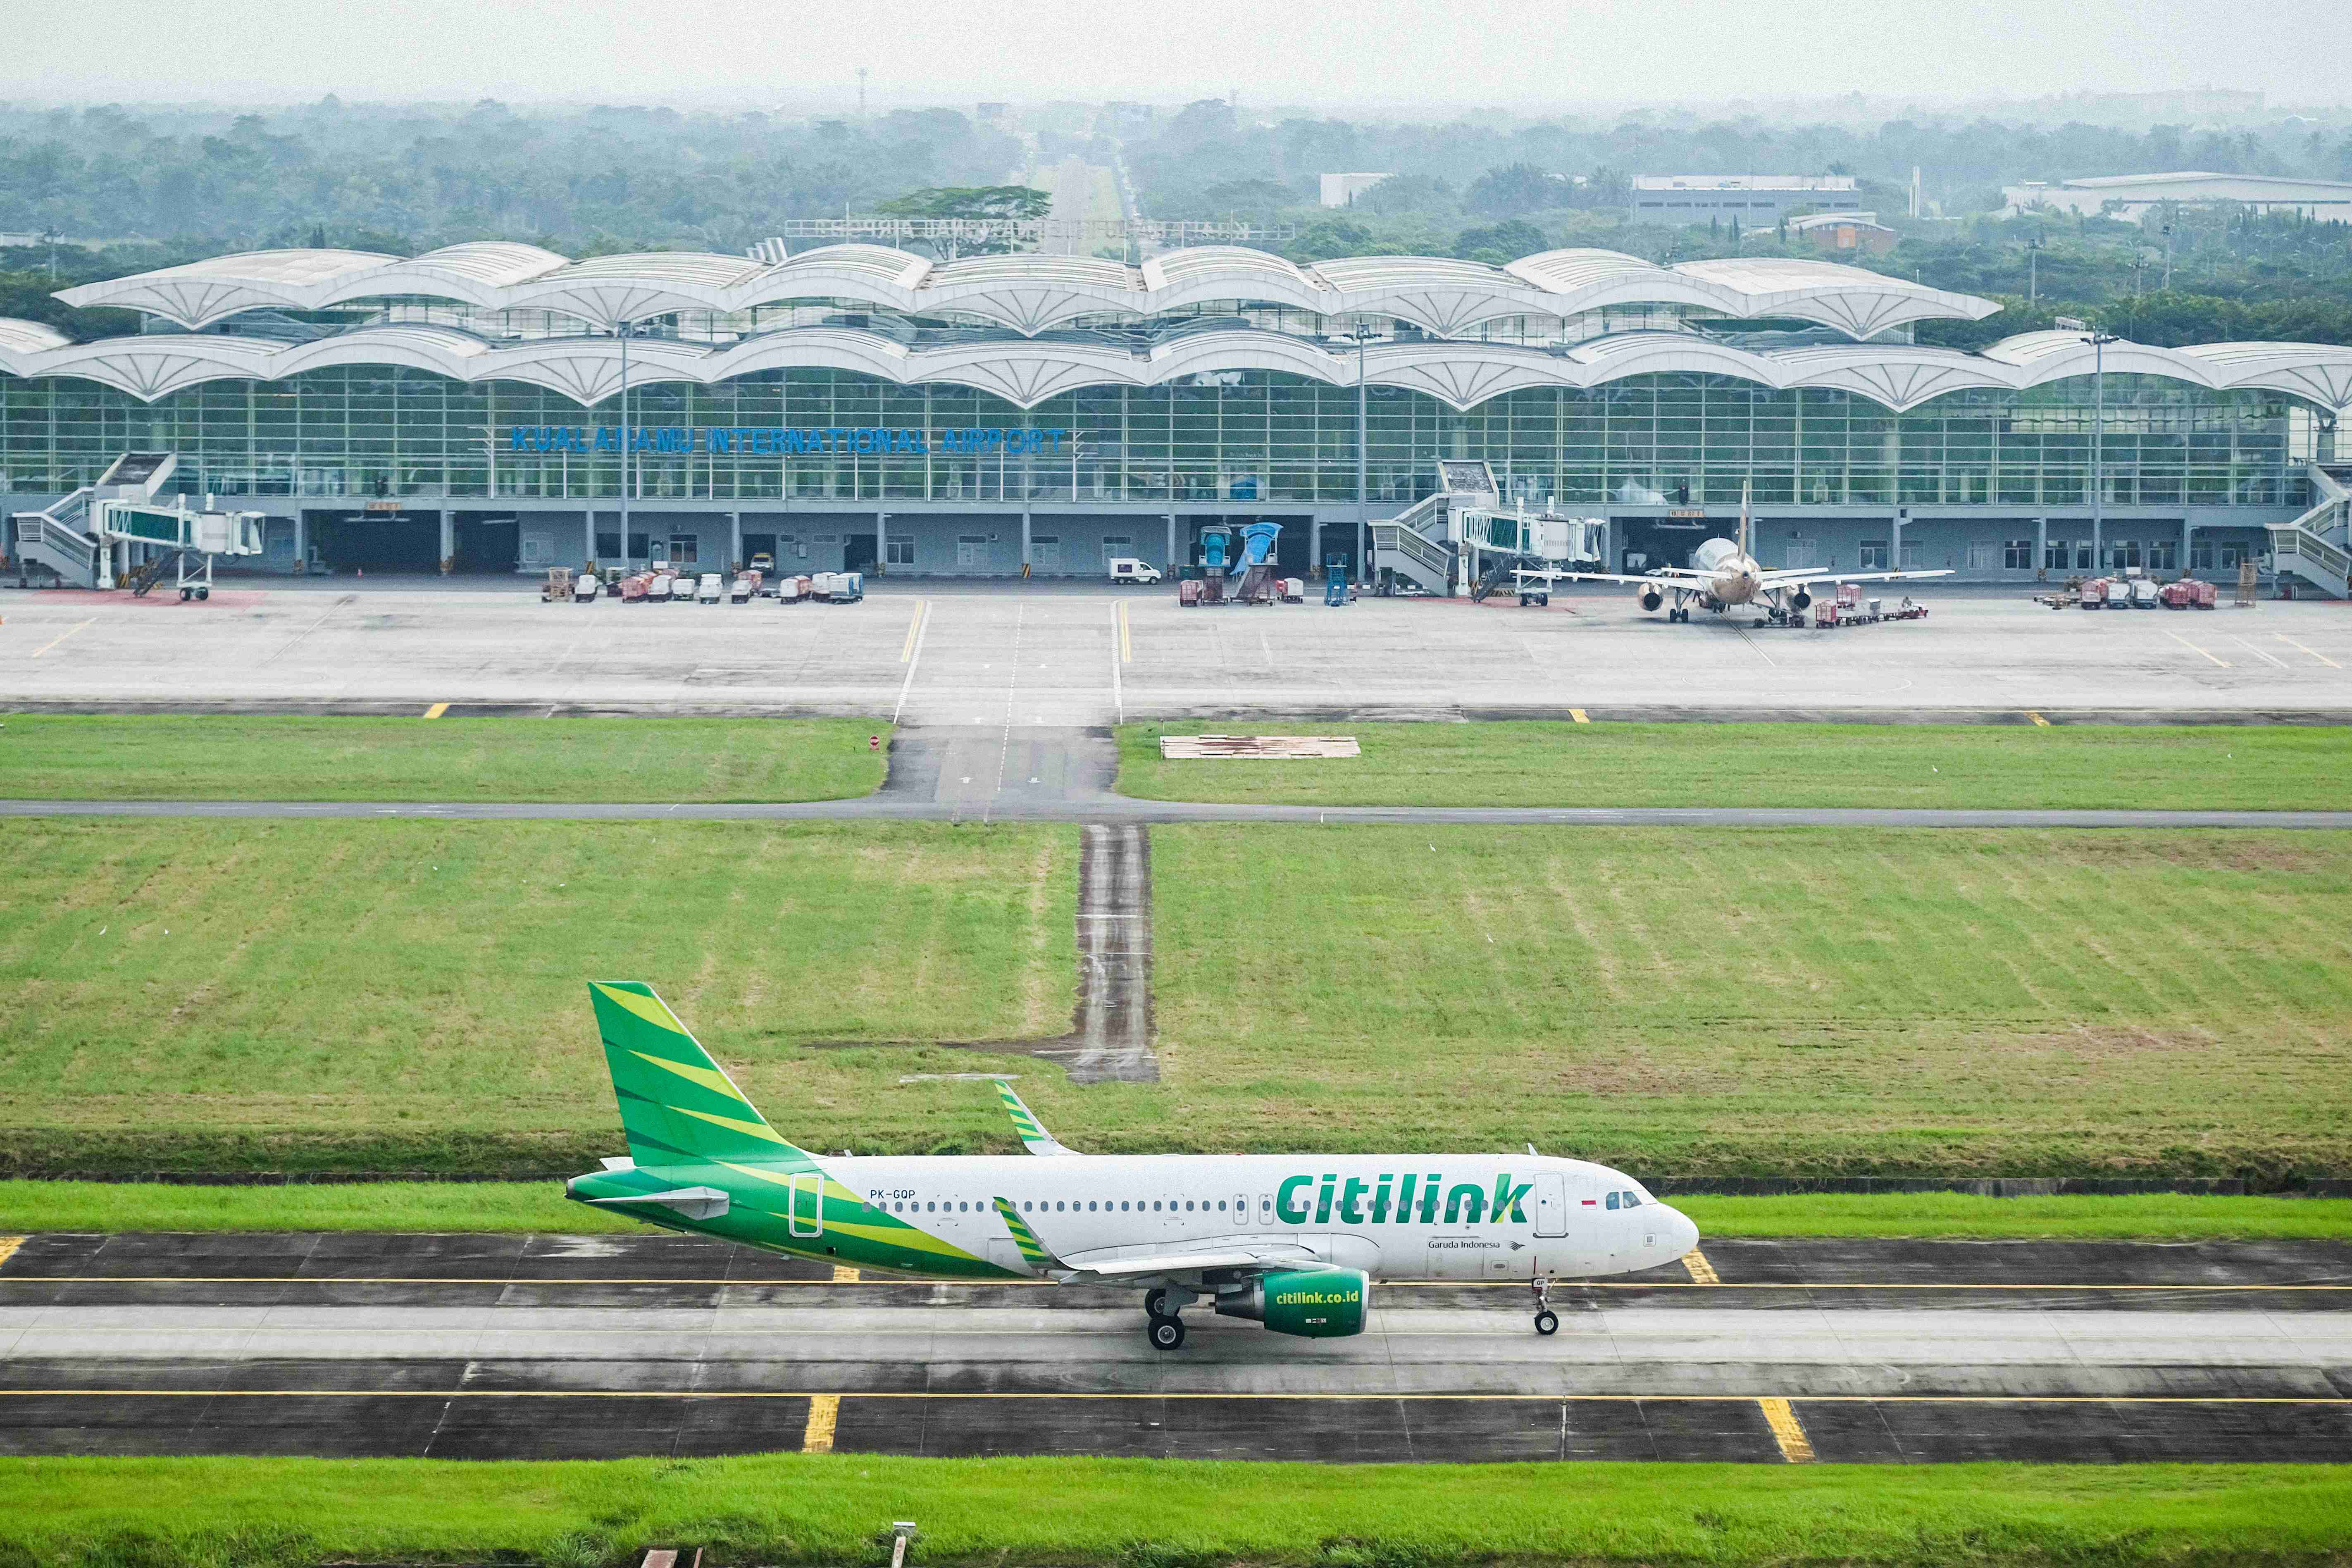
(122, 530)
(1460, 541)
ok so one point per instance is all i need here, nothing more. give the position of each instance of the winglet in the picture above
(1033, 1136)
(1033, 1252)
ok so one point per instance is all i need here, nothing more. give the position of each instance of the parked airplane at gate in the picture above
(1723, 576)
(1292, 1242)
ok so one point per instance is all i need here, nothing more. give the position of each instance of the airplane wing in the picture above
(1798, 576)
(1242, 1254)
(1033, 1136)
(1667, 576)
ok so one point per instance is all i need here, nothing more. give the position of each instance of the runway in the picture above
(1764, 1351)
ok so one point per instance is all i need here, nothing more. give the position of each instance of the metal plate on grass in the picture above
(1263, 747)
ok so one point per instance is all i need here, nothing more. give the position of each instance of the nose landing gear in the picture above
(1547, 1321)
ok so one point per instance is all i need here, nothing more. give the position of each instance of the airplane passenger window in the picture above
(1188, 1206)
(1155, 1205)
(1059, 1207)
(1221, 1205)
(1612, 1201)
(930, 1208)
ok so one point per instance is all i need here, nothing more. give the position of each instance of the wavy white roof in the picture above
(1026, 372)
(1030, 294)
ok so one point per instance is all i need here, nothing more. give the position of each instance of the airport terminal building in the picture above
(855, 404)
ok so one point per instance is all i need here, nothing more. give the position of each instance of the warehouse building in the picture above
(1000, 416)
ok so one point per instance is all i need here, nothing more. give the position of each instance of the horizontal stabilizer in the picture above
(694, 1202)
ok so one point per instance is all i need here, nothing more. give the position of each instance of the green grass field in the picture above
(1941, 765)
(411, 995)
(524, 1207)
(408, 995)
(1143, 1513)
(158, 757)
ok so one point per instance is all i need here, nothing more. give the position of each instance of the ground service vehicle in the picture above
(1126, 569)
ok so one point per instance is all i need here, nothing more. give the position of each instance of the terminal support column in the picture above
(2187, 528)
(448, 535)
(1025, 543)
(1171, 557)
(2041, 545)
(302, 542)
(588, 535)
(1315, 547)
(735, 537)
(881, 542)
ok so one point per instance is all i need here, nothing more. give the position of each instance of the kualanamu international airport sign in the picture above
(680, 441)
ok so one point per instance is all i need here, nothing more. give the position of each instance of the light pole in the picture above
(1362, 337)
(2168, 258)
(2033, 269)
(624, 327)
(2098, 342)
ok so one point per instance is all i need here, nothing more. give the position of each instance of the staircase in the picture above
(58, 540)
(1403, 544)
(2312, 547)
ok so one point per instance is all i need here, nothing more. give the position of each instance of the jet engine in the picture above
(1801, 599)
(1312, 1303)
(1651, 598)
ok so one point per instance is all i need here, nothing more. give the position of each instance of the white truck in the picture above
(1127, 569)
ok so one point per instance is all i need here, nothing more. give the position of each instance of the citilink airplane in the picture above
(1292, 1242)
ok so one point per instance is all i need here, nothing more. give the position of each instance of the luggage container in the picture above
(1188, 593)
(1825, 612)
(1294, 590)
(2119, 594)
(2094, 593)
(583, 591)
(559, 586)
(848, 588)
(710, 588)
(740, 591)
(632, 588)
(2143, 591)
(792, 589)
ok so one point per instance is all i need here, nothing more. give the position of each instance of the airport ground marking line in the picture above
(1578, 714)
(2266, 657)
(1788, 1433)
(8, 1246)
(61, 636)
(436, 710)
(843, 1274)
(2039, 720)
(1702, 1272)
(2312, 651)
(1118, 682)
(927, 1283)
(1125, 636)
(2192, 647)
(825, 1415)
(919, 630)
(1160, 1394)
(914, 624)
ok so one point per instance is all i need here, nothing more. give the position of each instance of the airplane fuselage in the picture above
(1450, 1217)
(1732, 578)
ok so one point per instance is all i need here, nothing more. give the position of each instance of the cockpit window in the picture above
(1633, 1201)
(1611, 1202)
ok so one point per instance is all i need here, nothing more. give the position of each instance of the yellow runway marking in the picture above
(1795, 1446)
(914, 626)
(2192, 647)
(1126, 637)
(824, 1414)
(1392, 1398)
(63, 634)
(2312, 651)
(436, 710)
(1578, 714)
(8, 1246)
(2037, 719)
(1702, 1272)
(843, 1275)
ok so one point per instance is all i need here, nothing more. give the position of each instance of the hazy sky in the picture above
(1438, 57)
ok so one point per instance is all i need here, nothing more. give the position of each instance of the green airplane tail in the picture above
(678, 1106)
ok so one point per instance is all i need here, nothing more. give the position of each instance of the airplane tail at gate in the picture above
(678, 1106)
(1746, 518)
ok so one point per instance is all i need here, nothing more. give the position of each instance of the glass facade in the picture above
(1234, 436)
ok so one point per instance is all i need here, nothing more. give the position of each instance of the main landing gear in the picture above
(1547, 1321)
(1160, 1324)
